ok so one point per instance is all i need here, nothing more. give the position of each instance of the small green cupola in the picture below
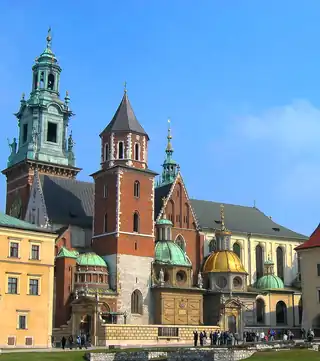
(170, 167)
(269, 281)
(46, 71)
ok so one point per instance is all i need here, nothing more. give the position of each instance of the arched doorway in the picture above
(281, 313)
(260, 311)
(85, 325)
(232, 323)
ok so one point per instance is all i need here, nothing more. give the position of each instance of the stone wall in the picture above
(151, 334)
(191, 354)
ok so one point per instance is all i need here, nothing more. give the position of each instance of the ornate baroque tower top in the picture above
(43, 119)
(170, 167)
(124, 141)
(223, 235)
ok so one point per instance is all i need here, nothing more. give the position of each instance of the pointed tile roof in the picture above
(312, 242)
(124, 119)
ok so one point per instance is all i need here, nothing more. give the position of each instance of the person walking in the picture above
(195, 338)
(63, 342)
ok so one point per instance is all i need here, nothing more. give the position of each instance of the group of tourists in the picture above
(217, 338)
(80, 341)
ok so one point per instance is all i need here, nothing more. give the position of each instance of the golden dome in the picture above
(223, 261)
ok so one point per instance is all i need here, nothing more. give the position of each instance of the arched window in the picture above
(136, 189)
(50, 81)
(237, 249)
(106, 152)
(171, 211)
(260, 310)
(42, 80)
(212, 245)
(136, 302)
(281, 313)
(120, 150)
(105, 223)
(137, 151)
(136, 222)
(181, 242)
(259, 262)
(280, 263)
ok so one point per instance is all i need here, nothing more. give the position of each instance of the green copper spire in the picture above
(170, 167)
(43, 119)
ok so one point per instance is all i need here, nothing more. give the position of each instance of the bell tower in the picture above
(124, 211)
(43, 142)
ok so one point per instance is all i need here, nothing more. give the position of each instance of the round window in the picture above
(237, 282)
(221, 282)
(181, 276)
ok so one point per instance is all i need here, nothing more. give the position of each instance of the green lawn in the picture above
(294, 355)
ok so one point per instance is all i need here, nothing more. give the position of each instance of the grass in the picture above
(292, 355)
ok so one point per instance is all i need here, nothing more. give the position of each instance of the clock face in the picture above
(16, 207)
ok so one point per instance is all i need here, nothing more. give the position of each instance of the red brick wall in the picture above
(63, 276)
(178, 210)
(126, 243)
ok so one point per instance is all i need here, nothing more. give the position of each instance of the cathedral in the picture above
(131, 246)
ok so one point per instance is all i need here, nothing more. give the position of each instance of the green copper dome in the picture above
(91, 259)
(269, 282)
(164, 221)
(170, 253)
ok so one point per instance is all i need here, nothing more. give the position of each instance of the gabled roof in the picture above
(78, 204)
(12, 222)
(124, 119)
(68, 201)
(240, 219)
(312, 242)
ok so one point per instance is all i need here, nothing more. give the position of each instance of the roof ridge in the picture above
(224, 203)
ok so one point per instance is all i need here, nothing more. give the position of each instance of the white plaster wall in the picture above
(134, 273)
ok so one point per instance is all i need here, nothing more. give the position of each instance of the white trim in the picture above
(129, 147)
(18, 241)
(25, 341)
(123, 150)
(152, 201)
(118, 233)
(144, 150)
(18, 319)
(118, 201)
(188, 201)
(38, 278)
(112, 146)
(15, 340)
(137, 153)
(35, 243)
(106, 154)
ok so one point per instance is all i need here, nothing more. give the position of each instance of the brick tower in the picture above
(123, 229)
(42, 142)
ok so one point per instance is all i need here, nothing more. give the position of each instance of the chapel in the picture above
(132, 247)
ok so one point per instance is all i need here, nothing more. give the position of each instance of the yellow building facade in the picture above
(26, 284)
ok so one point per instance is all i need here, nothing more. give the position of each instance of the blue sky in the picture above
(239, 80)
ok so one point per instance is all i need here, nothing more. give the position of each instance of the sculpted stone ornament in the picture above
(71, 143)
(76, 294)
(161, 277)
(13, 146)
(200, 280)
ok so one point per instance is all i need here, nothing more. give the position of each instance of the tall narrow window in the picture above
(22, 323)
(106, 152)
(35, 81)
(120, 150)
(25, 133)
(259, 262)
(13, 285)
(136, 222)
(186, 215)
(50, 81)
(237, 249)
(136, 302)
(52, 132)
(181, 242)
(137, 151)
(106, 223)
(105, 191)
(280, 263)
(42, 80)
(136, 189)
